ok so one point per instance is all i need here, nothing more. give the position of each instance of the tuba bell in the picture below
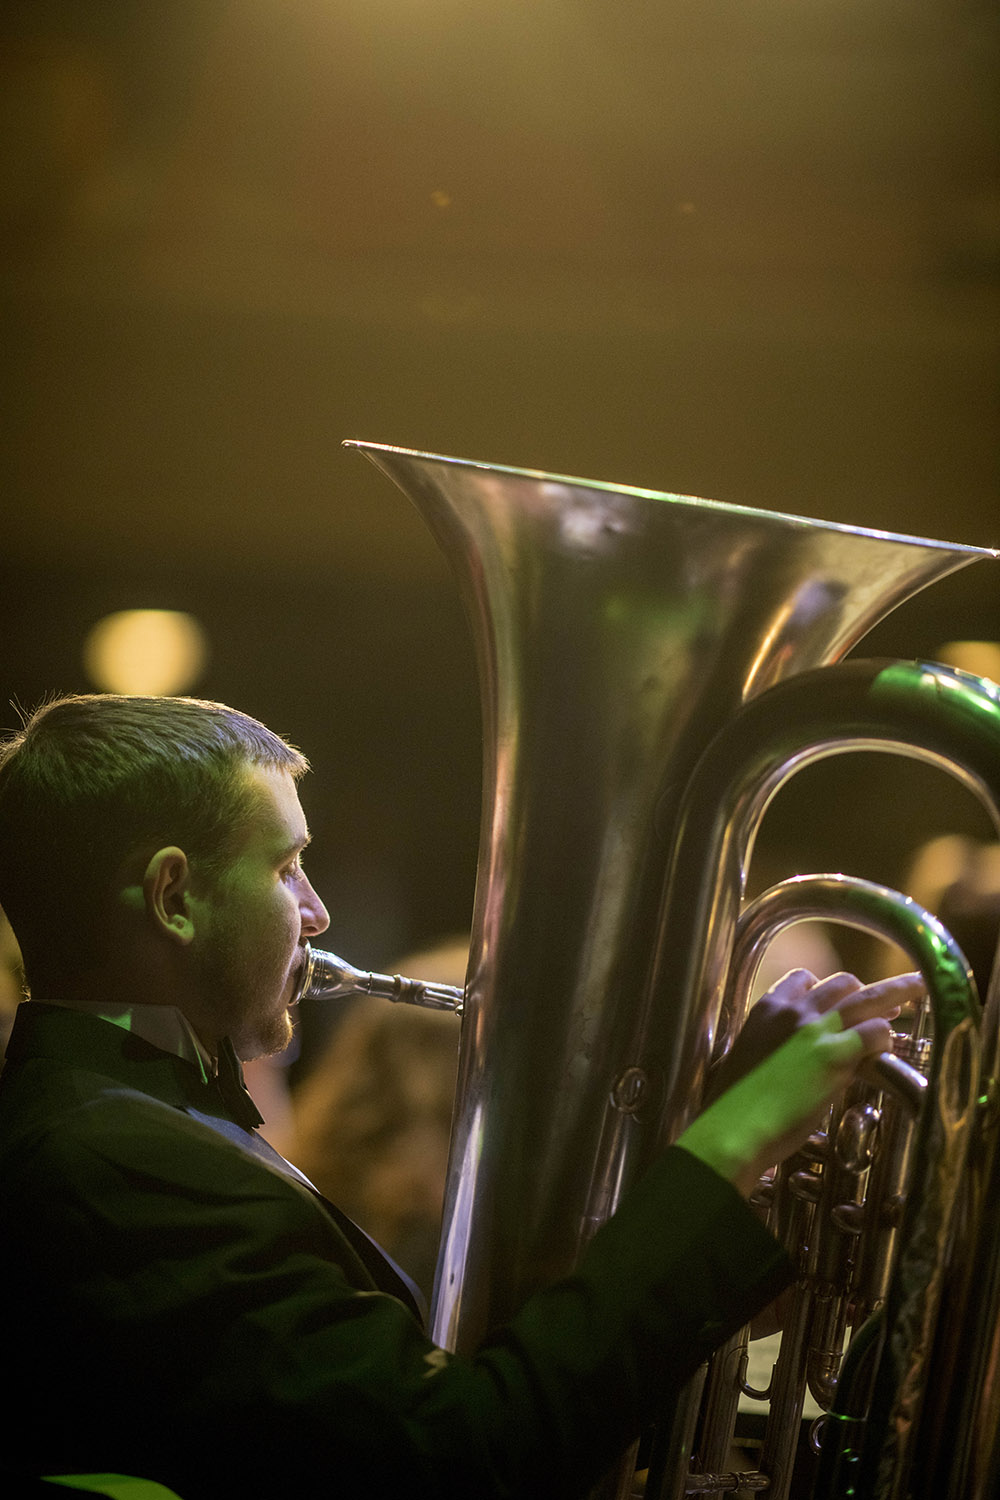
(634, 649)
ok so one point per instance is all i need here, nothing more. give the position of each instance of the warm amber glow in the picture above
(147, 651)
(980, 657)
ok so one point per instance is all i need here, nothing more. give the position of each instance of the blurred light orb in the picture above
(145, 652)
(979, 657)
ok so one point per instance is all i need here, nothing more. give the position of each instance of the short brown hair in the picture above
(92, 778)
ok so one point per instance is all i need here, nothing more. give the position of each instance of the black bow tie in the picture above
(233, 1089)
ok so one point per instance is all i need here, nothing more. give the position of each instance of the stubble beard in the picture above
(264, 1036)
(249, 1001)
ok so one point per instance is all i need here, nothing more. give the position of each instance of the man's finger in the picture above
(887, 997)
(793, 985)
(875, 1035)
(833, 990)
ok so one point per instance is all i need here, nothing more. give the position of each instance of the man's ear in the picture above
(166, 891)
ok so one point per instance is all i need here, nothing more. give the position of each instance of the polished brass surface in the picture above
(839, 1205)
(623, 639)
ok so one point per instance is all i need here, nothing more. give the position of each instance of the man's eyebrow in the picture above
(295, 847)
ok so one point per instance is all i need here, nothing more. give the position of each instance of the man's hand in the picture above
(802, 1044)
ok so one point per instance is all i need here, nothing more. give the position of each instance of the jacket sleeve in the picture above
(216, 1333)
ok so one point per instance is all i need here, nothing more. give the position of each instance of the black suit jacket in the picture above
(177, 1305)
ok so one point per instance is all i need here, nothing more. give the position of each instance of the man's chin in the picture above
(268, 1039)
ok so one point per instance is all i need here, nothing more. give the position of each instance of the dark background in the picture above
(744, 249)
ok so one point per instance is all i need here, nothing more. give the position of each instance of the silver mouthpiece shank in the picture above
(327, 977)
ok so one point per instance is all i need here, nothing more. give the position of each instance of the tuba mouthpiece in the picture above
(326, 977)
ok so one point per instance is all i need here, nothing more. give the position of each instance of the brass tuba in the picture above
(626, 639)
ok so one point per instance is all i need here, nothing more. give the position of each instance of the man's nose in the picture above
(315, 917)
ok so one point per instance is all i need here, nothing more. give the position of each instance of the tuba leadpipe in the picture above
(617, 633)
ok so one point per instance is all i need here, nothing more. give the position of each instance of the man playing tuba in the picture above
(182, 1303)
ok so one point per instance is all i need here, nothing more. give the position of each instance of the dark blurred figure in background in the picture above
(371, 1121)
(970, 909)
(958, 880)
